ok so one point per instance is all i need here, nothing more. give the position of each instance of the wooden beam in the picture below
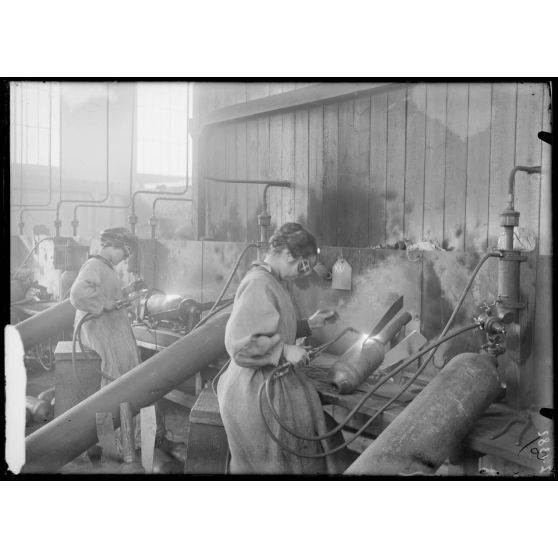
(294, 99)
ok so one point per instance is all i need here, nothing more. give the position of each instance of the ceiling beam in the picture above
(296, 98)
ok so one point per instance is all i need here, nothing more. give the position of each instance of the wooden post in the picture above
(127, 433)
(148, 421)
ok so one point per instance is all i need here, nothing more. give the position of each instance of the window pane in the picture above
(55, 148)
(44, 108)
(32, 154)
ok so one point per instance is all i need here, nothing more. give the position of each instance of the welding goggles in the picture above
(305, 266)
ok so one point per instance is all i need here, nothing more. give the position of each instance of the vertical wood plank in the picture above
(414, 162)
(301, 166)
(148, 424)
(478, 167)
(435, 162)
(528, 151)
(288, 166)
(275, 87)
(330, 196)
(395, 192)
(232, 213)
(241, 172)
(362, 130)
(315, 171)
(378, 170)
(253, 194)
(274, 195)
(256, 90)
(239, 93)
(545, 218)
(263, 157)
(502, 153)
(456, 166)
(347, 220)
(220, 96)
(354, 169)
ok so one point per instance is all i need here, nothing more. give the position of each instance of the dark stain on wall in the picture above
(435, 307)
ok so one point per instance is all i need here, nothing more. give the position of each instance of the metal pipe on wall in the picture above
(58, 222)
(153, 219)
(75, 222)
(70, 434)
(264, 218)
(133, 218)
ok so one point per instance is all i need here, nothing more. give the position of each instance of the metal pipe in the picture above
(153, 219)
(75, 222)
(133, 218)
(48, 323)
(70, 434)
(268, 184)
(434, 423)
(264, 219)
(511, 183)
(58, 222)
(357, 363)
(508, 267)
(31, 253)
(21, 224)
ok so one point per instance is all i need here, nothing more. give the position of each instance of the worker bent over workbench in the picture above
(260, 333)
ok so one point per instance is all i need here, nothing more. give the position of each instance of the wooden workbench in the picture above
(477, 443)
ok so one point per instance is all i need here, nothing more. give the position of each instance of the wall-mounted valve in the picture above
(494, 328)
(153, 221)
(133, 220)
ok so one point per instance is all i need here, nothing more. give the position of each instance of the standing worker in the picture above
(96, 291)
(260, 334)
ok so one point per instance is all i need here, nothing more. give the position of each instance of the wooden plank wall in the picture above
(419, 162)
(414, 163)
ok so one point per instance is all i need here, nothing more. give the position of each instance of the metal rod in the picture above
(511, 183)
(268, 184)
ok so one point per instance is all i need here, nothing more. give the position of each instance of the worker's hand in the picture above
(133, 286)
(109, 305)
(318, 319)
(295, 354)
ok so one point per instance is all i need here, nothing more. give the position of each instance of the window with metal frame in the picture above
(163, 145)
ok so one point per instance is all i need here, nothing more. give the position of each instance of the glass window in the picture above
(163, 138)
(35, 123)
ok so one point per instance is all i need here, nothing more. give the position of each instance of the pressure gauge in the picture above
(524, 240)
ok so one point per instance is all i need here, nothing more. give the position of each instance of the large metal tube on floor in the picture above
(434, 423)
(48, 323)
(73, 432)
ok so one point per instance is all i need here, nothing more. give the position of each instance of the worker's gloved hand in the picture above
(109, 305)
(295, 354)
(318, 319)
(133, 286)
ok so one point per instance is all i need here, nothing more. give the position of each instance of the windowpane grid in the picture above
(35, 123)
(162, 128)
